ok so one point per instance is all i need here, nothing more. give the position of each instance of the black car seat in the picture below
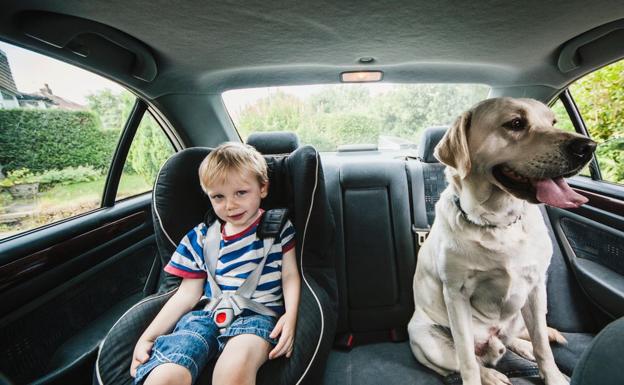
(297, 183)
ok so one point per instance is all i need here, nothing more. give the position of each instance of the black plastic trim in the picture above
(121, 153)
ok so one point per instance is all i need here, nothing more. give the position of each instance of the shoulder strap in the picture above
(211, 255)
(272, 222)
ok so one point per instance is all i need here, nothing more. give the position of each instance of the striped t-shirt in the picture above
(239, 254)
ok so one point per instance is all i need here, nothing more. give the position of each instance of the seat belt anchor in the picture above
(421, 233)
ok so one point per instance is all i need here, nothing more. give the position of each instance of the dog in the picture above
(480, 280)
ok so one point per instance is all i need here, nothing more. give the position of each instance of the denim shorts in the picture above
(196, 340)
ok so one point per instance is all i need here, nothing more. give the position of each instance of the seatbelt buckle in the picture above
(223, 317)
(421, 234)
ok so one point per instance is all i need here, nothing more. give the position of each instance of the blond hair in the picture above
(228, 157)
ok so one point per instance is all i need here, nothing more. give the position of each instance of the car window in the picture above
(58, 134)
(327, 116)
(599, 97)
(149, 150)
(565, 123)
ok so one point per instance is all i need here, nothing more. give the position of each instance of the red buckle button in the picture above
(221, 317)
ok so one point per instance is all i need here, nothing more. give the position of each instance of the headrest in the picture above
(429, 139)
(274, 142)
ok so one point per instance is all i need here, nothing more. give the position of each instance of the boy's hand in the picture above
(141, 354)
(285, 328)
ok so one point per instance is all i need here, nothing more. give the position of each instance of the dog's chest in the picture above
(499, 293)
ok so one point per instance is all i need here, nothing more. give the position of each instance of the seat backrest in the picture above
(374, 248)
(433, 177)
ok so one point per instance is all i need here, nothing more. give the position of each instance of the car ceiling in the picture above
(203, 47)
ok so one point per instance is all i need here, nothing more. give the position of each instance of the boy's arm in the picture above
(291, 284)
(286, 325)
(183, 301)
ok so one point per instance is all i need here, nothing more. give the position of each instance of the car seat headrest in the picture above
(430, 138)
(274, 142)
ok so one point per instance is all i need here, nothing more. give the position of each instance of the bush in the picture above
(69, 175)
(53, 139)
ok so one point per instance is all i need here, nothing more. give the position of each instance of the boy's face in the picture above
(237, 201)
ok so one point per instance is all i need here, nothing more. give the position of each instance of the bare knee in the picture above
(234, 370)
(169, 374)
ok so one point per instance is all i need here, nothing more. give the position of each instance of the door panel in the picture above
(58, 299)
(592, 240)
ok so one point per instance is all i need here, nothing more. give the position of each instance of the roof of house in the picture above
(6, 77)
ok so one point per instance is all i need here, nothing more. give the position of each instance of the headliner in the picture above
(202, 47)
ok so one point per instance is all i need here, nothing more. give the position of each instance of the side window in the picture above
(564, 122)
(148, 151)
(599, 97)
(58, 134)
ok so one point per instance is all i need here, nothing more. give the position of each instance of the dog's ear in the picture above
(453, 147)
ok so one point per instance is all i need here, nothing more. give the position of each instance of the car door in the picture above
(78, 249)
(592, 236)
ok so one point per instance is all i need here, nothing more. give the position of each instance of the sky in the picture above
(31, 71)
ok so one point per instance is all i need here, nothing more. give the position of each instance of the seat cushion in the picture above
(393, 363)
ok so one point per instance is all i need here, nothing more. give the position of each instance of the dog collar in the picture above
(486, 225)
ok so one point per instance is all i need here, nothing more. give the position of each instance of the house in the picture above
(8, 91)
(10, 97)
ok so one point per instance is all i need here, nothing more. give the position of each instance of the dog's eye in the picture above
(515, 124)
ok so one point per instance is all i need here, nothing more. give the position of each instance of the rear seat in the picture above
(376, 203)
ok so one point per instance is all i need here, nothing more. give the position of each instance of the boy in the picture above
(234, 176)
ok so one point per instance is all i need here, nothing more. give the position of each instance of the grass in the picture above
(66, 201)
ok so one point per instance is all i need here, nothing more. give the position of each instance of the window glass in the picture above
(149, 150)
(600, 100)
(564, 122)
(392, 116)
(58, 134)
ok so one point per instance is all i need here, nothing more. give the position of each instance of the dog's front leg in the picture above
(534, 314)
(460, 320)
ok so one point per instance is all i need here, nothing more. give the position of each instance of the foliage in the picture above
(600, 98)
(150, 148)
(53, 139)
(349, 114)
(111, 109)
(19, 176)
(69, 175)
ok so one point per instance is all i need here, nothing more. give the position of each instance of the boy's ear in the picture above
(264, 190)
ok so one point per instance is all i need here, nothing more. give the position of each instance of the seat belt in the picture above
(227, 306)
(420, 226)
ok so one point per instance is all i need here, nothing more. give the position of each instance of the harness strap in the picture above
(240, 300)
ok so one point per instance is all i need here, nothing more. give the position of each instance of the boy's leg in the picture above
(240, 360)
(169, 374)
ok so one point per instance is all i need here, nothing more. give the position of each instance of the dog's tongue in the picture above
(556, 192)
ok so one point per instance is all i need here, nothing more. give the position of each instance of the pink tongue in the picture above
(556, 192)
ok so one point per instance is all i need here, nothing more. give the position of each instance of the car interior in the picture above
(76, 293)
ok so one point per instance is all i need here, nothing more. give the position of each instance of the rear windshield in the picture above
(387, 116)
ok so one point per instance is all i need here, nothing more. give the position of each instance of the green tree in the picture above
(600, 98)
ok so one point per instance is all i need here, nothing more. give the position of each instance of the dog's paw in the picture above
(523, 348)
(493, 377)
(555, 336)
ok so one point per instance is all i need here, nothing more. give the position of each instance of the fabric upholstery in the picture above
(603, 360)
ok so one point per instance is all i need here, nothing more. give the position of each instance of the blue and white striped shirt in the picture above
(239, 254)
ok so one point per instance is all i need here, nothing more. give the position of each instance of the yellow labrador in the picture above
(480, 276)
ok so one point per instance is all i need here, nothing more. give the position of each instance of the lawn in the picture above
(63, 201)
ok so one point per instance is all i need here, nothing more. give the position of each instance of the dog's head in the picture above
(513, 144)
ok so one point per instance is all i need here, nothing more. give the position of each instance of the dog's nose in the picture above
(581, 147)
